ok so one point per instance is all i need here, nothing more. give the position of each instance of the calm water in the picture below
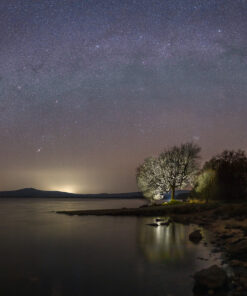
(43, 253)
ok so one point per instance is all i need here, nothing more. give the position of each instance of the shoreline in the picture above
(144, 210)
(227, 223)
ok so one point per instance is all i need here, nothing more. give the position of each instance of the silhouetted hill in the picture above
(35, 193)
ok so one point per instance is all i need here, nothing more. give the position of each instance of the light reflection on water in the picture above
(43, 253)
(165, 243)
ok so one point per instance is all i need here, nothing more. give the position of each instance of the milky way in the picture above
(88, 89)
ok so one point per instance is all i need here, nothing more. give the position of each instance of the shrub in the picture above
(224, 177)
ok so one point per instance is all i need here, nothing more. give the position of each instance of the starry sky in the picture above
(89, 88)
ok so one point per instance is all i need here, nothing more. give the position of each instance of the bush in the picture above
(206, 187)
(224, 177)
(173, 202)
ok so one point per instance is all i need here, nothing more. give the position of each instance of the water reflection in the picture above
(166, 244)
(43, 253)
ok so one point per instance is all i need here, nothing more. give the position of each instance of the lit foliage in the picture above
(231, 174)
(148, 178)
(206, 184)
(174, 168)
(173, 202)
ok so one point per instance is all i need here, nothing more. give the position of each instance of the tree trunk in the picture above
(173, 193)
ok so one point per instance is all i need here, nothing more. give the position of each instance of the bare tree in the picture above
(174, 168)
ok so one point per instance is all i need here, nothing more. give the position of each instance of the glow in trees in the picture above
(174, 168)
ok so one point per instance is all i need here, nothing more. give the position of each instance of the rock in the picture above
(201, 258)
(243, 282)
(244, 229)
(215, 250)
(158, 219)
(238, 250)
(238, 263)
(235, 240)
(226, 235)
(225, 217)
(165, 223)
(228, 226)
(240, 219)
(153, 224)
(195, 236)
(212, 278)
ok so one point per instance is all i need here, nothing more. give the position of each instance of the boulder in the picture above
(212, 278)
(195, 236)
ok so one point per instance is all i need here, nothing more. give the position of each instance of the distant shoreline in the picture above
(74, 197)
(35, 193)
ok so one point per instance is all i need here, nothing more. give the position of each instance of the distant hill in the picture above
(35, 193)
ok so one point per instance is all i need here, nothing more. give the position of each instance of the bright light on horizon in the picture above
(65, 188)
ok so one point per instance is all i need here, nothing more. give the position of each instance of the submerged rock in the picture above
(195, 236)
(153, 224)
(159, 219)
(212, 278)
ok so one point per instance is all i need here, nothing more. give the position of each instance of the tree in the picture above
(231, 174)
(205, 185)
(179, 166)
(148, 179)
(174, 168)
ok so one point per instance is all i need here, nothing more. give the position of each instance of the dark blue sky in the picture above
(88, 89)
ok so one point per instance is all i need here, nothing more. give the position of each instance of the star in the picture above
(76, 72)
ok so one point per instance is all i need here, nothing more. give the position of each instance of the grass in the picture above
(173, 202)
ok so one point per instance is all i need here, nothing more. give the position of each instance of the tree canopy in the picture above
(230, 169)
(173, 168)
(206, 185)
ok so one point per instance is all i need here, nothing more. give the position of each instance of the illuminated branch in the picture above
(174, 168)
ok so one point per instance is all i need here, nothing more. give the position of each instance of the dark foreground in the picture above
(228, 223)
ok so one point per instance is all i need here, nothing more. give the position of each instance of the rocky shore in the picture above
(228, 224)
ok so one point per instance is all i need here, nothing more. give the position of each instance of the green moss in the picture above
(173, 202)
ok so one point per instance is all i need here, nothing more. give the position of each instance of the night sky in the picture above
(89, 88)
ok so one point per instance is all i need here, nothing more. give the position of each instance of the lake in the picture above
(44, 253)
